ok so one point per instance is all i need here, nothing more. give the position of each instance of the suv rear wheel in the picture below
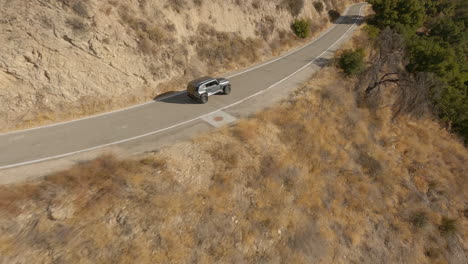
(227, 89)
(204, 98)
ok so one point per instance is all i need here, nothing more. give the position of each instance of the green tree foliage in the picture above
(398, 14)
(301, 28)
(352, 62)
(453, 108)
(436, 37)
(448, 30)
(434, 8)
(372, 31)
(428, 55)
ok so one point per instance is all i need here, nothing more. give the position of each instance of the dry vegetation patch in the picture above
(224, 50)
(316, 179)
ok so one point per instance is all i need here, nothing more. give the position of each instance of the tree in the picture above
(319, 6)
(352, 62)
(453, 32)
(301, 28)
(398, 14)
(452, 106)
(438, 49)
(427, 55)
(386, 83)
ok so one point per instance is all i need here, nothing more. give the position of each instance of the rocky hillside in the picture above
(66, 58)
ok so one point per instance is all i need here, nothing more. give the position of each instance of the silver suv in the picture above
(201, 88)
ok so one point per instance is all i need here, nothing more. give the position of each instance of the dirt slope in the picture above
(61, 59)
(316, 179)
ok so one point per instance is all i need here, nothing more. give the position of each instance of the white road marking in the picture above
(185, 122)
(181, 92)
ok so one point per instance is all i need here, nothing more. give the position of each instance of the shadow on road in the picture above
(175, 97)
(351, 20)
(322, 62)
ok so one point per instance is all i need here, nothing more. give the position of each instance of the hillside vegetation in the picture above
(435, 36)
(62, 59)
(319, 178)
(353, 167)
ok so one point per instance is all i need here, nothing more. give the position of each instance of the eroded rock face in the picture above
(63, 58)
(51, 58)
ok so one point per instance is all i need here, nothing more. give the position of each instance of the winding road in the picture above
(166, 116)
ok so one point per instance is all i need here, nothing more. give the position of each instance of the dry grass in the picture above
(314, 180)
(81, 8)
(77, 24)
(319, 7)
(294, 6)
(266, 27)
(150, 36)
(226, 50)
(177, 5)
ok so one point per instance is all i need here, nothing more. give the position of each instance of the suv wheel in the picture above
(204, 98)
(227, 89)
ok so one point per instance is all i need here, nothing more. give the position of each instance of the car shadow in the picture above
(175, 97)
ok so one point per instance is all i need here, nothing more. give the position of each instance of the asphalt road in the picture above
(163, 115)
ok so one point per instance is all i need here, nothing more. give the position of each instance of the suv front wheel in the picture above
(227, 89)
(204, 98)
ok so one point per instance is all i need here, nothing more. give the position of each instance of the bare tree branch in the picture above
(409, 93)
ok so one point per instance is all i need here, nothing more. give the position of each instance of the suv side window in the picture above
(210, 84)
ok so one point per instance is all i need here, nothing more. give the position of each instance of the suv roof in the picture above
(201, 80)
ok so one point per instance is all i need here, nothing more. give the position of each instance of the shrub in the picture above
(149, 35)
(256, 4)
(319, 6)
(266, 27)
(372, 31)
(301, 28)
(221, 48)
(334, 15)
(145, 45)
(294, 6)
(81, 9)
(447, 226)
(432, 253)
(66, 2)
(77, 24)
(177, 5)
(419, 219)
(352, 62)
(156, 35)
(370, 165)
